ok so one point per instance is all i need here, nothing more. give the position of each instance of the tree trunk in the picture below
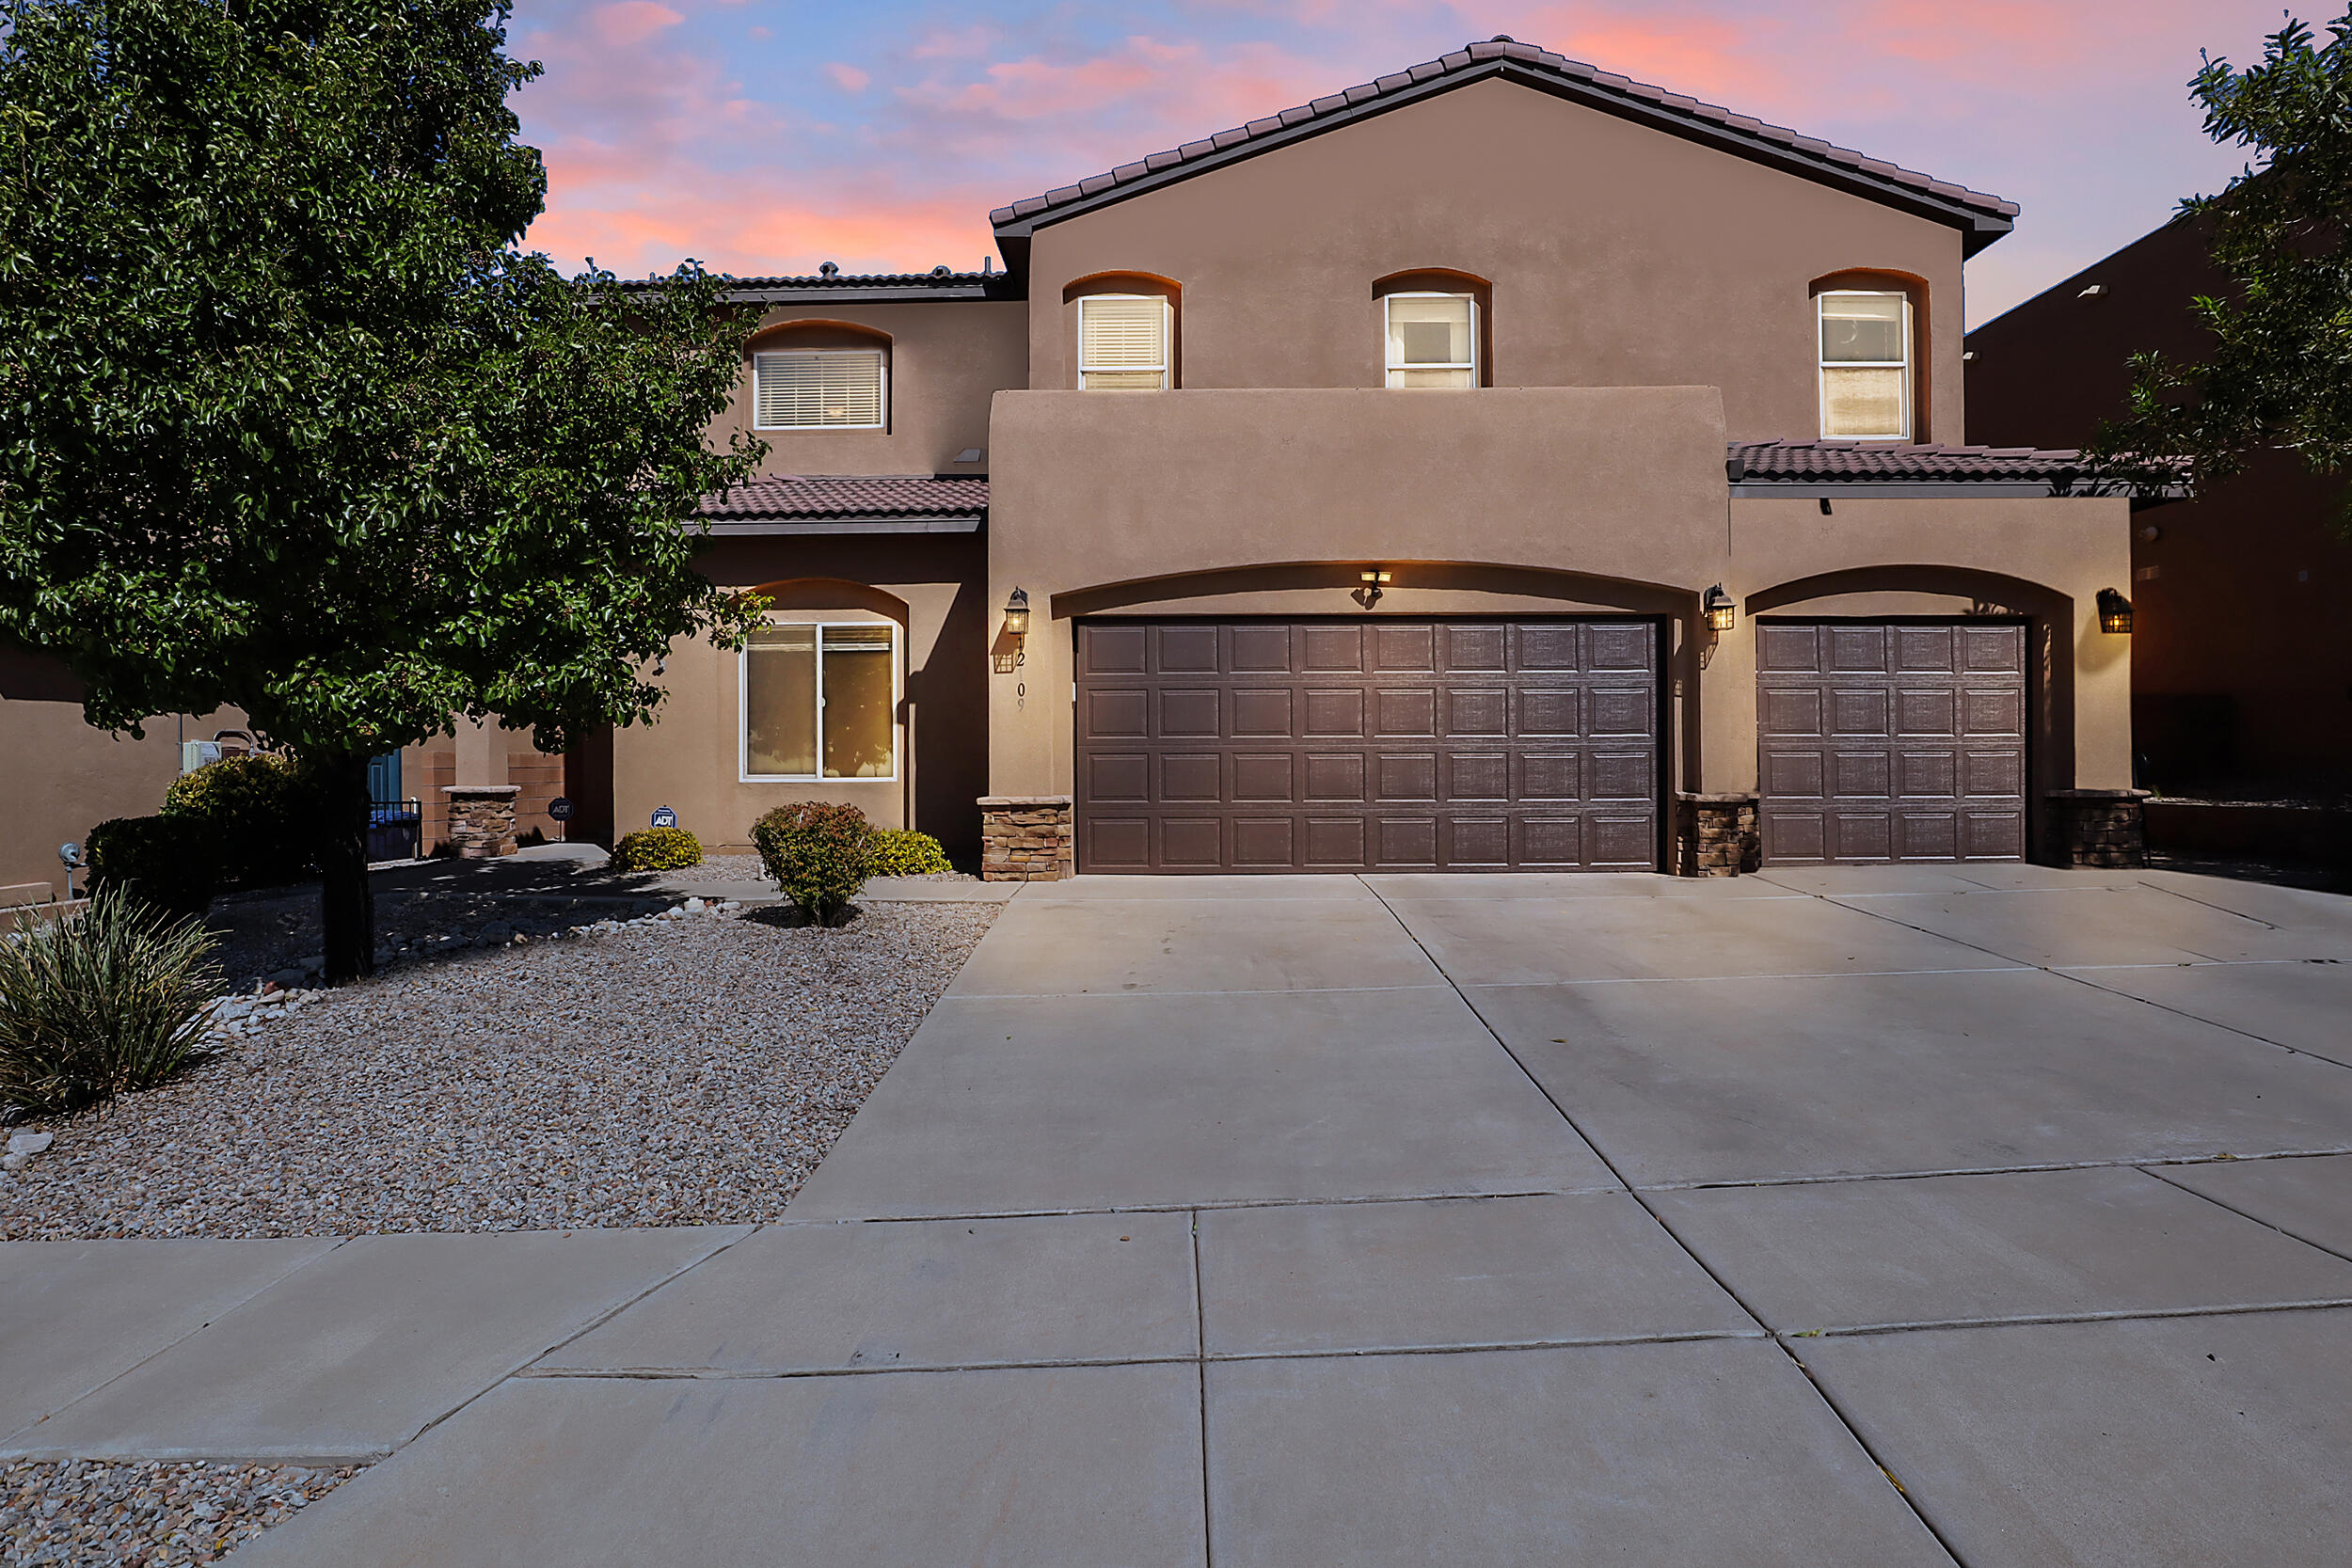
(346, 902)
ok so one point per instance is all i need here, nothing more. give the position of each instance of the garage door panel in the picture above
(1335, 776)
(1261, 776)
(1891, 740)
(1188, 650)
(1353, 745)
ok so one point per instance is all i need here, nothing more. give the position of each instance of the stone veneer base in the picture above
(482, 819)
(2104, 830)
(1027, 839)
(1716, 835)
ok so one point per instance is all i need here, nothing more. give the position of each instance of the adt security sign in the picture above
(664, 817)
(561, 808)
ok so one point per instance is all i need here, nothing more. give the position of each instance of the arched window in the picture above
(1868, 333)
(1127, 331)
(1434, 328)
(821, 375)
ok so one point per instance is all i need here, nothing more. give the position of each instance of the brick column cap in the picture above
(1737, 797)
(2102, 794)
(987, 801)
(482, 792)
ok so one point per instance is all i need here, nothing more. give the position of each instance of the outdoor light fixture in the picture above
(1017, 613)
(1721, 613)
(2115, 612)
(1373, 582)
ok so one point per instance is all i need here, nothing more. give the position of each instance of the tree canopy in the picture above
(2278, 372)
(290, 422)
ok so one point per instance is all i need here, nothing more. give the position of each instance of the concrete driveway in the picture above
(1993, 1215)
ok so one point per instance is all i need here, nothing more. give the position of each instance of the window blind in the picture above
(1122, 341)
(818, 390)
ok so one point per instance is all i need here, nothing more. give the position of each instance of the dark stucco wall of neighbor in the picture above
(2242, 675)
(1617, 255)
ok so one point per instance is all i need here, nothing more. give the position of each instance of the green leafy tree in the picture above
(289, 422)
(2279, 370)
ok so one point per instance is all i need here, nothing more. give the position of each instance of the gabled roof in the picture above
(1981, 218)
(849, 503)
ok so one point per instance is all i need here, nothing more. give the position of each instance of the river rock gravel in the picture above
(146, 1514)
(685, 1070)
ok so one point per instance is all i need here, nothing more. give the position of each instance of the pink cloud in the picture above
(849, 78)
(631, 22)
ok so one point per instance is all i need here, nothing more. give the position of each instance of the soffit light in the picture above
(1721, 614)
(2115, 612)
(1017, 613)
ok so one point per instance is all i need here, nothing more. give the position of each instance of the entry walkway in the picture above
(1995, 1215)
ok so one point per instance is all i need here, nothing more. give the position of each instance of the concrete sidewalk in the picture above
(1392, 1220)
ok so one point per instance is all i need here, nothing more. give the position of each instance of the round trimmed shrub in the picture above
(265, 811)
(905, 852)
(115, 997)
(819, 854)
(656, 849)
(171, 865)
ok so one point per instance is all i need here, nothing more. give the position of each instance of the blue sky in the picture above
(769, 136)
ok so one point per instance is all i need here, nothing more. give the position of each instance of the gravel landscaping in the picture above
(146, 1514)
(683, 1071)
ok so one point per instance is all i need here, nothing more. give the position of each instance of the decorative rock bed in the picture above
(91, 1512)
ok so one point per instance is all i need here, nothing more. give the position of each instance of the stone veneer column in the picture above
(2103, 829)
(1027, 839)
(482, 819)
(1715, 835)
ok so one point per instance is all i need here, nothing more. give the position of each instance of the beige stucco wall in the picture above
(1214, 501)
(1619, 256)
(60, 777)
(945, 358)
(688, 757)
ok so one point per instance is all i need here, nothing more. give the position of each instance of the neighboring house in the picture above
(60, 777)
(1358, 484)
(2241, 675)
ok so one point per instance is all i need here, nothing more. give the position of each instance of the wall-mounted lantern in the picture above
(1721, 612)
(1017, 613)
(2115, 612)
(1375, 582)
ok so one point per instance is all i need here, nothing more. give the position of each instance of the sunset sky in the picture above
(769, 136)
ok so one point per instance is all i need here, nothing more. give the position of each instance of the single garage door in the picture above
(1358, 745)
(1892, 740)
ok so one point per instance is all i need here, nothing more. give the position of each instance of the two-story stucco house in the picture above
(1502, 465)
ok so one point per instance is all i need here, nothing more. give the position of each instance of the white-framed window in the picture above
(1124, 343)
(1432, 340)
(1865, 365)
(820, 389)
(820, 701)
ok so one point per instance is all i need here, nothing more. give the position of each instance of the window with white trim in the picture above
(1124, 343)
(820, 389)
(822, 702)
(1865, 365)
(1432, 340)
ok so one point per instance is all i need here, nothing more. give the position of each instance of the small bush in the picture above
(656, 849)
(905, 852)
(265, 811)
(169, 863)
(110, 999)
(820, 855)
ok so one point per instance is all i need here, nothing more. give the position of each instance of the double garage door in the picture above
(1361, 745)
(1493, 745)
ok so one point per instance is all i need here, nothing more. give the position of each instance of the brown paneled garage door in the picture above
(1892, 740)
(1358, 745)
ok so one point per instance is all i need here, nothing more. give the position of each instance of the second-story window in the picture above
(1432, 340)
(822, 388)
(1865, 365)
(1123, 342)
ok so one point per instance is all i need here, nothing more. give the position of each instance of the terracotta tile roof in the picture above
(1526, 58)
(1824, 462)
(849, 497)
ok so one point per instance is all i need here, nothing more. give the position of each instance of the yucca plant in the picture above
(112, 998)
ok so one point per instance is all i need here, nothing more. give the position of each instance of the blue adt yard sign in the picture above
(664, 817)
